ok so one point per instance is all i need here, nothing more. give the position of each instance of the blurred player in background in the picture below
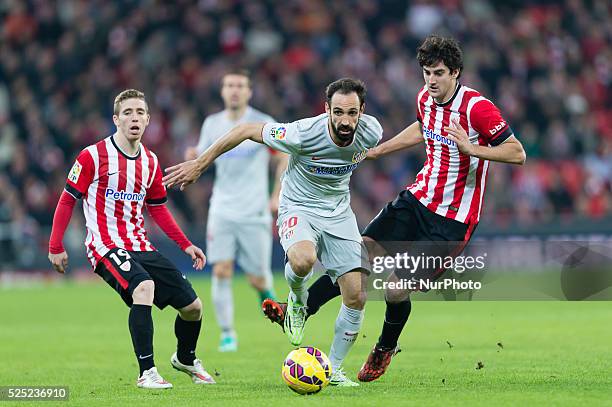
(462, 131)
(116, 177)
(237, 231)
(315, 218)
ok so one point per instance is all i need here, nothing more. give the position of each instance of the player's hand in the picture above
(183, 174)
(191, 153)
(197, 255)
(59, 261)
(457, 134)
(274, 202)
(372, 154)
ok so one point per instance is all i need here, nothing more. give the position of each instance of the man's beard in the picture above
(344, 137)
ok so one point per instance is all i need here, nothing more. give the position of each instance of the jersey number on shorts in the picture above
(123, 264)
(287, 225)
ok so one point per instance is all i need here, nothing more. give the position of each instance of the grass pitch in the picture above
(529, 353)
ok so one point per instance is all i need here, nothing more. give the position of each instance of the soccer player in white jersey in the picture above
(315, 219)
(462, 131)
(117, 177)
(236, 232)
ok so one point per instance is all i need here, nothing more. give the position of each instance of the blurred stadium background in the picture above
(546, 64)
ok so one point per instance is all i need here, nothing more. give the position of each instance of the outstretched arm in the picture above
(188, 172)
(510, 151)
(63, 212)
(409, 137)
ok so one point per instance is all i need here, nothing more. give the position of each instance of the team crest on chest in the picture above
(359, 156)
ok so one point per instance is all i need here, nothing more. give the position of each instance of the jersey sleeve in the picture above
(371, 130)
(487, 120)
(81, 175)
(156, 193)
(269, 119)
(284, 137)
(375, 132)
(205, 137)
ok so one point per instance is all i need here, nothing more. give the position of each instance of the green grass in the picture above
(75, 334)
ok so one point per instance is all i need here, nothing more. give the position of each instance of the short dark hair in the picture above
(128, 94)
(346, 86)
(238, 71)
(435, 49)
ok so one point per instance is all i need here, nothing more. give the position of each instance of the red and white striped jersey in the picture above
(114, 188)
(452, 184)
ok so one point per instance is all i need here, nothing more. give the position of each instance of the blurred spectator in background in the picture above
(548, 66)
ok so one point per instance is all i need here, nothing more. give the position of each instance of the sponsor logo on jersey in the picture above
(430, 134)
(75, 172)
(497, 128)
(342, 170)
(359, 156)
(278, 133)
(123, 196)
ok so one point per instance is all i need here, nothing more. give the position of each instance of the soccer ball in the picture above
(306, 370)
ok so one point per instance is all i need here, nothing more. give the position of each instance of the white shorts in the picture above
(337, 240)
(249, 244)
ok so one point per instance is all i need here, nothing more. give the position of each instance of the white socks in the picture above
(223, 301)
(297, 284)
(347, 327)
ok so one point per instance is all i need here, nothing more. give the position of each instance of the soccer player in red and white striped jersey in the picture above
(462, 132)
(117, 177)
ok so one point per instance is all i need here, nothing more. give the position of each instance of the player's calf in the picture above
(355, 299)
(187, 326)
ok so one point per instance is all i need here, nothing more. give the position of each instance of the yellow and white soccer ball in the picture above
(306, 370)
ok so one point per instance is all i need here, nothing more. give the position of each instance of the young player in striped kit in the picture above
(462, 132)
(116, 178)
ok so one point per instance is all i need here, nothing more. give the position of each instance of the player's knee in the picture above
(302, 261)
(223, 269)
(144, 291)
(257, 282)
(145, 287)
(193, 311)
(396, 296)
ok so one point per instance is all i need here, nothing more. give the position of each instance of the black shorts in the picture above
(124, 270)
(405, 225)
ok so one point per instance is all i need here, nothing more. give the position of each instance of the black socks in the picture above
(396, 316)
(320, 292)
(187, 333)
(141, 329)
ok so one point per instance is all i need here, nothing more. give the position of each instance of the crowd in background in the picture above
(546, 64)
